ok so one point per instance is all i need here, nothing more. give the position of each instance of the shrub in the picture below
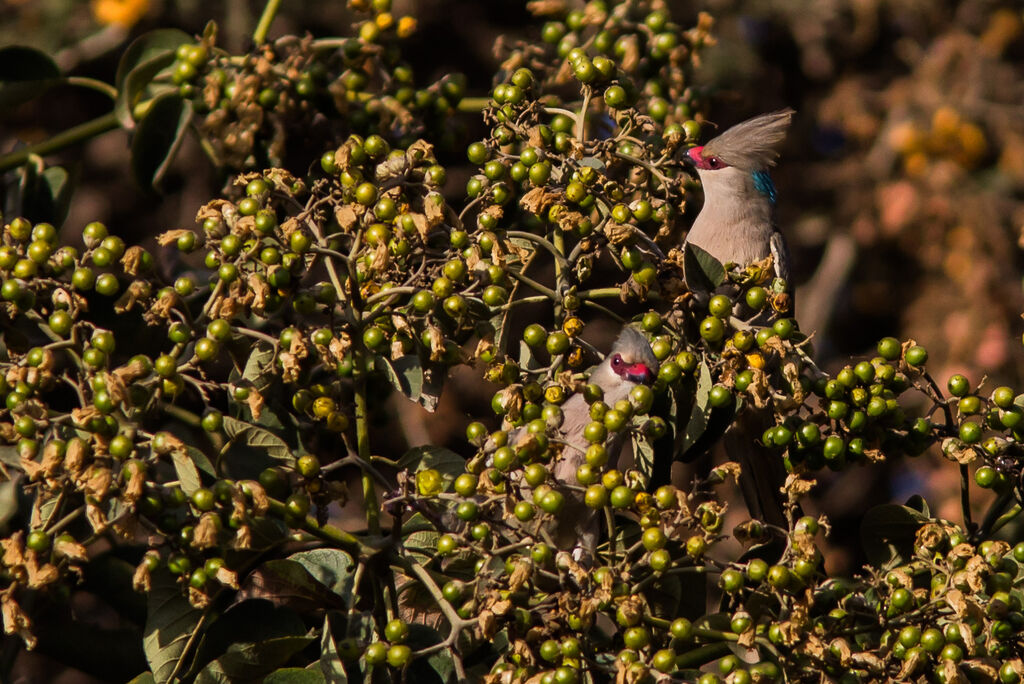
(201, 423)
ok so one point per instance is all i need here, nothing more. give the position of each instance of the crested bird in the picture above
(737, 224)
(631, 362)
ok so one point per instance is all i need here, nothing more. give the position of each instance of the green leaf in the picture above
(148, 55)
(257, 438)
(448, 463)
(887, 533)
(25, 73)
(422, 545)
(170, 623)
(188, 476)
(330, 659)
(700, 411)
(158, 137)
(250, 640)
(259, 368)
(45, 196)
(202, 461)
(701, 271)
(643, 456)
(252, 660)
(333, 568)
(287, 578)
(405, 374)
(295, 675)
(144, 678)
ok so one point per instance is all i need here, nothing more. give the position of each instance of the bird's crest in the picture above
(752, 144)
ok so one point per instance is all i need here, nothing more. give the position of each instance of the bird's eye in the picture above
(616, 361)
(715, 162)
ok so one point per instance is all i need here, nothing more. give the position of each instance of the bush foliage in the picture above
(189, 421)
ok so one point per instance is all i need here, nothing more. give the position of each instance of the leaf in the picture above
(295, 675)
(643, 456)
(700, 411)
(144, 678)
(887, 533)
(445, 461)
(405, 374)
(259, 368)
(45, 196)
(421, 545)
(333, 568)
(158, 137)
(188, 476)
(701, 271)
(258, 438)
(330, 659)
(251, 639)
(9, 500)
(9, 456)
(252, 660)
(202, 461)
(170, 623)
(25, 73)
(443, 664)
(147, 56)
(286, 580)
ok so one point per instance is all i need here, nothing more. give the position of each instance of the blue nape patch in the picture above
(764, 185)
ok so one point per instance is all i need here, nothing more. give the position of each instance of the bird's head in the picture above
(631, 361)
(750, 146)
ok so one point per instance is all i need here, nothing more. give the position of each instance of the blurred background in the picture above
(901, 185)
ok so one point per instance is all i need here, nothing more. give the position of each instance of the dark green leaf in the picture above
(702, 271)
(188, 476)
(202, 461)
(289, 581)
(330, 658)
(170, 623)
(887, 533)
(250, 639)
(295, 675)
(259, 368)
(45, 196)
(142, 60)
(443, 664)
(25, 73)
(334, 568)
(257, 438)
(643, 456)
(252, 660)
(700, 411)
(405, 374)
(158, 137)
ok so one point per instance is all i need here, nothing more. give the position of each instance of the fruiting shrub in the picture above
(202, 424)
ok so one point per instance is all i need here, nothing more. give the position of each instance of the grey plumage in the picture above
(737, 222)
(577, 526)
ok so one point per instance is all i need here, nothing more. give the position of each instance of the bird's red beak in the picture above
(696, 154)
(639, 373)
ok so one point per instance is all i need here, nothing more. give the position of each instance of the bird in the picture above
(630, 363)
(737, 224)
